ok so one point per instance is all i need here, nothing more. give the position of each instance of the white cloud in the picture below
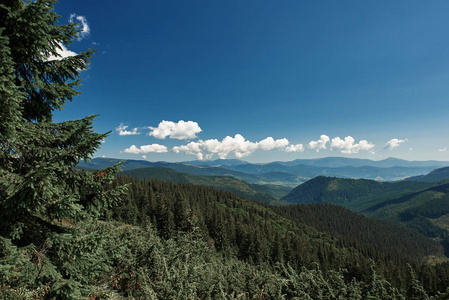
(393, 143)
(237, 145)
(193, 148)
(269, 144)
(320, 144)
(295, 148)
(83, 26)
(144, 156)
(154, 148)
(62, 52)
(121, 129)
(348, 146)
(442, 150)
(181, 130)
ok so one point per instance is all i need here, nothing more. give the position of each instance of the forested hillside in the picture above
(355, 194)
(377, 237)
(258, 234)
(437, 175)
(421, 206)
(426, 211)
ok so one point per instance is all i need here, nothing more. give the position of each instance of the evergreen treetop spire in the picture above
(34, 36)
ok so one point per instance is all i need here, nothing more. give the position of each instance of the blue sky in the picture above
(265, 80)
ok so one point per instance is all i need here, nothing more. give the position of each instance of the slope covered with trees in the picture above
(421, 206)
(426, 211)
(254, 233)
(355, 194)
(437, 175)
(376, 236)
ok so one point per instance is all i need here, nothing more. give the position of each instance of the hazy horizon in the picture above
(264, 162)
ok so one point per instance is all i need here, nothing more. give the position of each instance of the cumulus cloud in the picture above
(121, 129)
(320, 144)
(348, 145)
(154, 148)
(394, 143)
(83, 26)
(181, 130)
(295, 148)
(442, 150)
(237, 145)
(269, 144)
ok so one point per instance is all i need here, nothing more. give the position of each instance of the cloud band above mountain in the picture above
(348, 145)
(237, 145)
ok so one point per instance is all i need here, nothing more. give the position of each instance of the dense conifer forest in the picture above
(69, 233)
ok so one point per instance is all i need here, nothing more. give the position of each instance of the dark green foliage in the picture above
(43, 199)
(433, 208)
(423, 211)
(423, 194)
(385, 239)
(254, 234)
(144, 266)
(424, 226)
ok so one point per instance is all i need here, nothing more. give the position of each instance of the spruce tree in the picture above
(43, 197)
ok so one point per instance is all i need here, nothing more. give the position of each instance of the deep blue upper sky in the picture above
(296, 70)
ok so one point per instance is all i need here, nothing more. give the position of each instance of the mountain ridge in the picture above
(354, 194)
(434, 176)
(284, 173)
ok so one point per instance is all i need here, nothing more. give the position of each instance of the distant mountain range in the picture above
(130, 164)
(287, 173)
(335, 162)
(390, 169)
(329, 162)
